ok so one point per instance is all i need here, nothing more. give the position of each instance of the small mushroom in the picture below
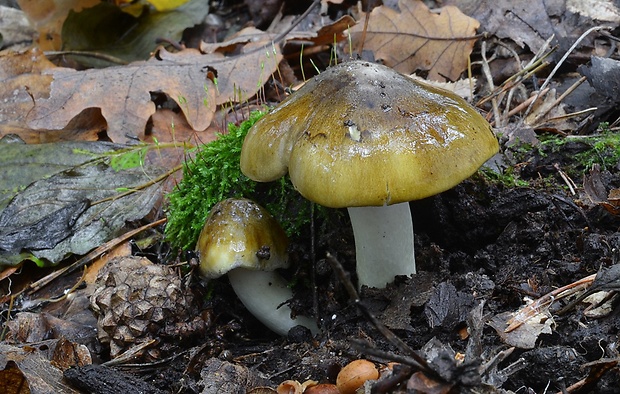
(364, 137)
(241, 239)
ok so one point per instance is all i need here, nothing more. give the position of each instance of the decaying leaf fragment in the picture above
(417, 39)
(43, 102)
(51, 228)
(23, 80)
(29, 370)
(85, 199)
(526, 334)
(596, 191)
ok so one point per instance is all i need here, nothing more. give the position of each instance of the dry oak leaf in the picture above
(196, 82)
(25, 80)
(22, 82)
(123, 94)
(241, 76)
(418, 39)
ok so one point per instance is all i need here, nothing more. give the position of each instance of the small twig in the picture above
(594, 376)
(360, 49)
(559, 99)
(571, 204)
(389, 335)
(524, 104)
(557, 66)
(140, 187)
(367, 348)
(94, 55)
(569, 182)
(506, 113)
(131, 354)
(278, 39)
(536, 306)
(607, 279)
(531, 68)
(420, 362)
(157, 363)
(487, 73)
(540, 55)
(571, 115)
(493, 362)
(38, 285)
(343, 276)
(39, 302)
(400, 373)
(8, 315)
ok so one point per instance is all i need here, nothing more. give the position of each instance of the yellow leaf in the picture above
(165, 5)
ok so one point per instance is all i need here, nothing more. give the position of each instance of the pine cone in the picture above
(135, 301)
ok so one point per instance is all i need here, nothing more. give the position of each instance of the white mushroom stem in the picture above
(383, 243)
(264, 294)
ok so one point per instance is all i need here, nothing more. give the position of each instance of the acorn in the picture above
(353, 375)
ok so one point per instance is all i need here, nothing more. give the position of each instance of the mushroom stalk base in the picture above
(383, 243)
(263, 294)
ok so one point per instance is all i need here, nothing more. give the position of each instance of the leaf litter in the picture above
(417, 39)
(488, 241)
(73, 207)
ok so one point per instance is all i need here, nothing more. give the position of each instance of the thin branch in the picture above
(557, 66)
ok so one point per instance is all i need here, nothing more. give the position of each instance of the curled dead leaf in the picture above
(597, 192)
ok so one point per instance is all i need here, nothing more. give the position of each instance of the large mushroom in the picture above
(240, 238)
(362, 136)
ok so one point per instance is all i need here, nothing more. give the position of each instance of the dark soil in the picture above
(481, 248)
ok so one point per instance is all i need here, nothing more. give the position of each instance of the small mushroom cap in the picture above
(239, 233)
(361, 134)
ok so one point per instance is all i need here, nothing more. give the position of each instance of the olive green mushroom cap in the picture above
(239, 233)
(361, 134)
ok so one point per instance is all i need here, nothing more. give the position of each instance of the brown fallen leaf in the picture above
(417, 39)
(22, 83)
(92, 270)
(69, 354)
(12, 380)
(124, 96)
(614, 197)
(419, 382)
(196, 82)
(325, 35)
(239, 77)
